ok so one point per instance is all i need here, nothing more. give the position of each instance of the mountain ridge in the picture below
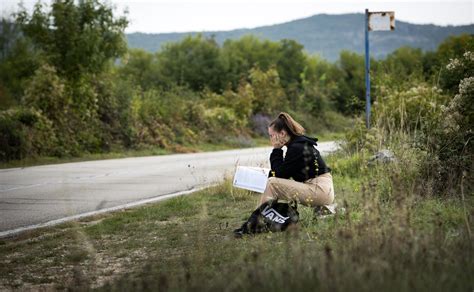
(323, 34)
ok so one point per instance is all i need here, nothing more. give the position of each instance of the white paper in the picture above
(251, 178)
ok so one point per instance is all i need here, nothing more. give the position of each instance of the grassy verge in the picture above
(203, 147)
(388, 240)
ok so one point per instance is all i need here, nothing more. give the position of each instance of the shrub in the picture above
(148, 126)
(427, 122)
(361, 139)
(270, 97)
(453, 144)
(221, 121)
(12, 138)
(25, 132)
(417, 108)
(458, 56)
(46, 92)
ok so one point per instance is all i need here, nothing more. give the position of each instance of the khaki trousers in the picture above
(318, 191)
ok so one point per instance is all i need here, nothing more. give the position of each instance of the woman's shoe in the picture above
(239, 232)
(325, 210)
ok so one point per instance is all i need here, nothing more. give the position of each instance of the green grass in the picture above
(329, 136)
(399, 241)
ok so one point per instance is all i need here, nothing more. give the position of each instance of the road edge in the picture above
(16, 231)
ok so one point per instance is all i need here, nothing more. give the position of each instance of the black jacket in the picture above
(302, 160)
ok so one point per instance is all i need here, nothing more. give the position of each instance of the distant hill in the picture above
(325, 35)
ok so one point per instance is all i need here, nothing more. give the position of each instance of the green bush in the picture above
(12, 138)
(180, 117)
(270, 98)
(361, 139)
(456, 61)
(453, 144)
(417, 108)
(221, 121)
(148, 126)
(25, 133)
(429, 123)
(448, 137)
(72, 107)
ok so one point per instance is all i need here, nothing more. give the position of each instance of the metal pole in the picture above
(367, 71)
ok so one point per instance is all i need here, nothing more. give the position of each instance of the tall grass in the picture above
(390, 238)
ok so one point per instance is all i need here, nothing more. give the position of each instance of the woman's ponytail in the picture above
(285, 122)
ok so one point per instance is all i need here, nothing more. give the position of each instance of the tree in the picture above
(18, 62)
(77, 39)
(140, 68)
(240, 56)
(269, 96)
(404, 62)
(451, 52)
(318, 87)
(350, 96)
(76, 42)
(291, 63)
(454, 46)
(193, 62)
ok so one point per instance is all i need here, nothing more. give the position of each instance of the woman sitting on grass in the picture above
(302, 175)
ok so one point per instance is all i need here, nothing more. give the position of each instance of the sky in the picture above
(159, 16)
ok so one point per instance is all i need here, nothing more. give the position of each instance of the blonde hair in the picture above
(285, 122)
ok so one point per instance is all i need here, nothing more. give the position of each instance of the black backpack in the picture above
(270, 216)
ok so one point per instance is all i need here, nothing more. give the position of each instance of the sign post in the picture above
(374, 21)
(367, 71)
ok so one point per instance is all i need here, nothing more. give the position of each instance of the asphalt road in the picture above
(37, 195)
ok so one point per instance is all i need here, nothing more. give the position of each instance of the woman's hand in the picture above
(278, 140)
(275, 142)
